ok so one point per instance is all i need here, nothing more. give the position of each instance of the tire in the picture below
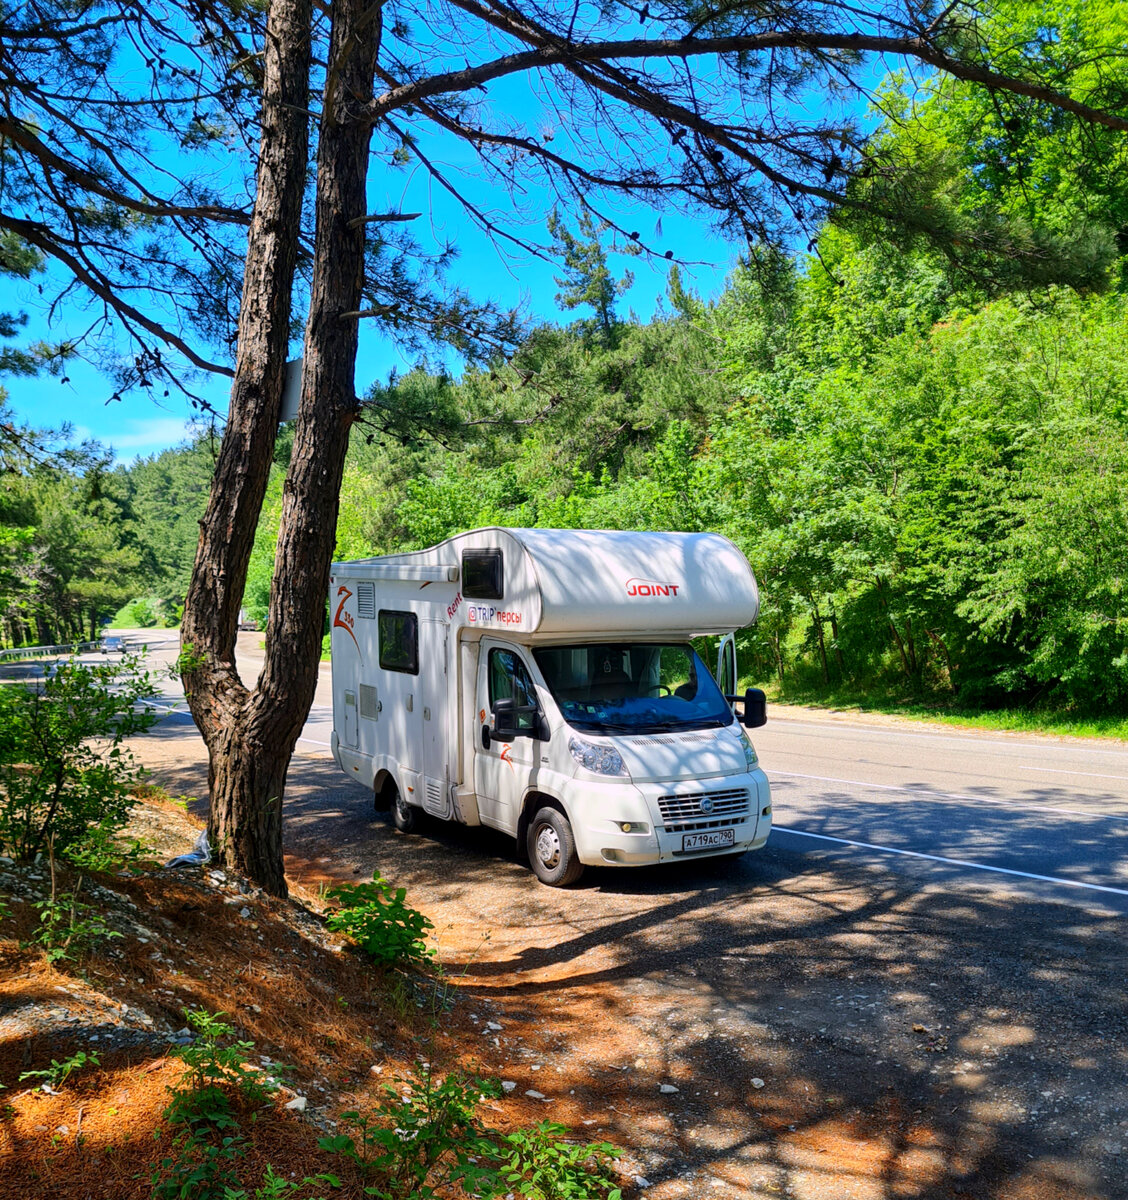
(405, 817)
(552, 849)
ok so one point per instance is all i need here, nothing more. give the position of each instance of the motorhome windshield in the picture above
(632, 687)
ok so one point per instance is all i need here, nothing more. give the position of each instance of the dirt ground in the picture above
(781, 1026)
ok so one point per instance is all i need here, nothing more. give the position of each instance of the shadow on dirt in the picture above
(911, 1039)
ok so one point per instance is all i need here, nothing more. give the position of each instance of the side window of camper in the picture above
(510, 680)
(399, 641)
(483, 575)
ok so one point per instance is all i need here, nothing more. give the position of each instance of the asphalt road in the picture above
(1043, 816)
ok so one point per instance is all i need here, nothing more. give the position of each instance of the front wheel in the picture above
(552, 849)
(406, 817)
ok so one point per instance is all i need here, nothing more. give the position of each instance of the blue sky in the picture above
(138, 425)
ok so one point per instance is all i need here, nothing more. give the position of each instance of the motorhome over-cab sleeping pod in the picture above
(541, 681)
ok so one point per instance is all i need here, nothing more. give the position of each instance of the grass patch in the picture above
(1018, 719)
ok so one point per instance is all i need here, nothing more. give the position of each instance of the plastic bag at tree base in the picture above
(200, 855)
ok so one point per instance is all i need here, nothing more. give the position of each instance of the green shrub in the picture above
(68, 926)
(276, 1187)
(64, 774)
(542, 1164)
(425, 1139)
(59, 1072)
(205, 1151)
(215, 1064)
(424, 1136)
(375, 916)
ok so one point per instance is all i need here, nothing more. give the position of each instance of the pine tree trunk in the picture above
(251, 735)
(249, 746)
(328, 406)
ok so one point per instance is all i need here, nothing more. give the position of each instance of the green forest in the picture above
(919, 436)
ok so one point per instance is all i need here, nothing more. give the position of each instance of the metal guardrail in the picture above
(49, 651)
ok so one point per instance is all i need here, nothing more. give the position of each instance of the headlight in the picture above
(603, 760)
(750, 758)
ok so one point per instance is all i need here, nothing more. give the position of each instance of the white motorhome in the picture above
(541, 681)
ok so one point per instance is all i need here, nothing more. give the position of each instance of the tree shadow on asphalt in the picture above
(917, 1035)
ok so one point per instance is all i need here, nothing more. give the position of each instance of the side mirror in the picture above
(505, 720)
(755, 708)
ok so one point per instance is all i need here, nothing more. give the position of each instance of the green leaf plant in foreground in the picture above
(425, 1138)
(376, 917)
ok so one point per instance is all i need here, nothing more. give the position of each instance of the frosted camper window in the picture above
(399, 641)
(483, 575)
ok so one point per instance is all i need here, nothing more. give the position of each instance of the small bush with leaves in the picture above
(425, 1139)
(276, 1187)
(64, 774)
(215, 1064)
(58, 1072)
(67, 925)
(422, 1138)
(542, 1164)
(375, 916)
(202, 1165)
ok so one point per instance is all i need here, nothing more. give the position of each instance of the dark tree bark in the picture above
(251, 735)
(249, 743)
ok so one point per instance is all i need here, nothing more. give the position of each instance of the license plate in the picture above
(713, 840)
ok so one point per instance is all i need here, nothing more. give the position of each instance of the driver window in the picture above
(509, 679)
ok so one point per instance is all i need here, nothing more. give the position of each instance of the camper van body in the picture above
(559, 623)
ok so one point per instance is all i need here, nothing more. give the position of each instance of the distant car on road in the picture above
(113, 644)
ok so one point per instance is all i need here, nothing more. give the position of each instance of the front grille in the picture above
(684, 813)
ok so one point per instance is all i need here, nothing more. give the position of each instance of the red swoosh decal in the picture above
(337, 622)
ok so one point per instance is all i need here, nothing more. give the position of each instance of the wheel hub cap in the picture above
(548, 846)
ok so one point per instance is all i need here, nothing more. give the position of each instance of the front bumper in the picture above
(664, 813)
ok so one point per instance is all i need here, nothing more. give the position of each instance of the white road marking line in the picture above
(957, 862)
(1082, 774)
(922, 794)
(315, 742)
(862, 730)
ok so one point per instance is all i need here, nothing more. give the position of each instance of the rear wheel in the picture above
(552, 849)
(406, 817)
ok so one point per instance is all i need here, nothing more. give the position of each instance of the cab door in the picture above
(502, 770)
(726, 665)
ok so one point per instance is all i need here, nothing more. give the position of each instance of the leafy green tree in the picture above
(1011, 190)
(64, 773)
(587, 280)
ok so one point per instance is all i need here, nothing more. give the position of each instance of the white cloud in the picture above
(148, 436)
